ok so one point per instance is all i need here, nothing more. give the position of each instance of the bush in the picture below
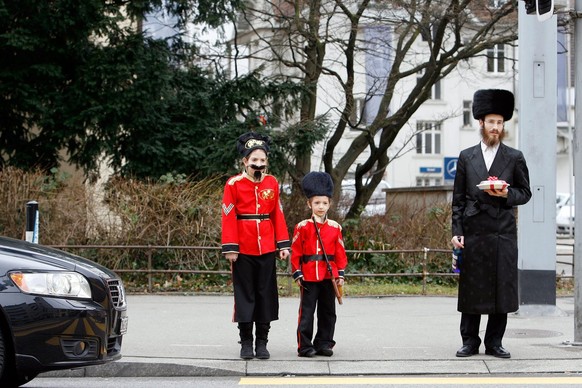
(185, 213)
(62, 202)
(407, 230)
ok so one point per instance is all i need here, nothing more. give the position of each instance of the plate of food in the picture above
(493, 184)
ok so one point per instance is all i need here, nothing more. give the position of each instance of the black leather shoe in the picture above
(467, 351)
(498, 351)
(309, 352)
(325, 352)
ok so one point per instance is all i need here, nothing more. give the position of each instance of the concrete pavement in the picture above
(181, 335)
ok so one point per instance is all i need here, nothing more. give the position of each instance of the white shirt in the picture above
(489, 154)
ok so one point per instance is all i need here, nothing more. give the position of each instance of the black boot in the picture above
(262, 333)
(246, 340)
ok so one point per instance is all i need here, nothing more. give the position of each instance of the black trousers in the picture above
(318, 296)
(496, 325)
(254, 280)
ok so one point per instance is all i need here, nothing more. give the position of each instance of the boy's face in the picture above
(319, 205)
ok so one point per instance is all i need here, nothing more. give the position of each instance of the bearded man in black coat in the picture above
(484, 225)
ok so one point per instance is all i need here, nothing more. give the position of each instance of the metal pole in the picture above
(576, 146)
(150, 277)
(570, 130)
(424, 270)
(32, 216)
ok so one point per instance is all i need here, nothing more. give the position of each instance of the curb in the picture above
(477, 365)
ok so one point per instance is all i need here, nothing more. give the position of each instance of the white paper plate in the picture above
(490, 185)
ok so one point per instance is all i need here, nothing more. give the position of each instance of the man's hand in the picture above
(458, 241)
(231, 257)
(284, 254)
(498, 193)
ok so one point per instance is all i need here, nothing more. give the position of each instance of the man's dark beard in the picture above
(489, 140)
(257, 175)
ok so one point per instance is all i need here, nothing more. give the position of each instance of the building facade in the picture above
(425, 150)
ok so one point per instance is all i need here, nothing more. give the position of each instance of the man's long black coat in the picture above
(488, 279)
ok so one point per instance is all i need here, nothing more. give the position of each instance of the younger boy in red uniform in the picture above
(310, 269)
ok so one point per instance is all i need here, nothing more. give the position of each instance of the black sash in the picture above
(252, 216)
(308, 258)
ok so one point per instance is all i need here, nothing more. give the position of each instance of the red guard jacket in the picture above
(253, 222)
(307, 256)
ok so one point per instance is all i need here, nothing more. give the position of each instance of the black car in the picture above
(57, 311)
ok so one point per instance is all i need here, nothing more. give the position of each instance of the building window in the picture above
(435, 91)
(428, 181)
(497, 3)
(357, 115)
(428, 138)
(426, 32)
(467, 114)
(496, 59)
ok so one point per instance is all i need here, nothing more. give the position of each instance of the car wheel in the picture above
(2, 356)
(8, 375)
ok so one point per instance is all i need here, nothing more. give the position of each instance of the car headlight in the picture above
(69, 284)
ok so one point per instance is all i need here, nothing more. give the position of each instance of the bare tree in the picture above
(319, 39)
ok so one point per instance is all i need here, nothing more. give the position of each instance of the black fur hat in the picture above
(250, 141)
(317, 183)
(498, 101)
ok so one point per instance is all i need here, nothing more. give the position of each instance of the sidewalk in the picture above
(171, 335)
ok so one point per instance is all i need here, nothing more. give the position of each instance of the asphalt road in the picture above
(529, 381)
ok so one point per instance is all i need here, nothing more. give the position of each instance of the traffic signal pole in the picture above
(537, 139)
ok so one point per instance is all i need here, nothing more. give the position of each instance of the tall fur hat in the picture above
(317, 183)
(498, 101)
(250, 141)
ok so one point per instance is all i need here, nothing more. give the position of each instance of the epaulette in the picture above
(302, 223)
(334, 224)
(234, 179)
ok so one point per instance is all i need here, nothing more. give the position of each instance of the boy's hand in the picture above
(299, 282)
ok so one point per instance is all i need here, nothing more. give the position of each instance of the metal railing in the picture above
(151, 249)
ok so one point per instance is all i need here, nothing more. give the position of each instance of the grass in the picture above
(397, 289)
(355, 287)
(375, 287)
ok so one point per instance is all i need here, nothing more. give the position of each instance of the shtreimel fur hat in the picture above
(317, 183)
(497, 101)
(250, 141)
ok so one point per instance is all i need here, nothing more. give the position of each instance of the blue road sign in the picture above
(450, 167)
(432, 170)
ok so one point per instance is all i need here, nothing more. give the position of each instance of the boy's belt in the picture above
(252, 216)
(308, 258)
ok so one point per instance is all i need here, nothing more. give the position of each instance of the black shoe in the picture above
(309, 352)
(467, 351)
(324, 352)
(497, 351)
(261, 349)
(246, 349)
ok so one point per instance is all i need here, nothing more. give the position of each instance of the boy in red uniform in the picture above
(310, 269)
(254, 232)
